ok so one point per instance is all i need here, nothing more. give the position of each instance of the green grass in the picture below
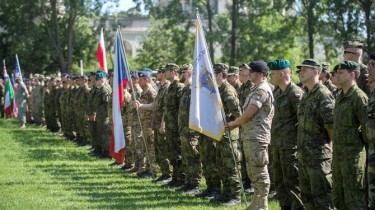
(42, 170)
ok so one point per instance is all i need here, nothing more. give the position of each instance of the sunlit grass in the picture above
(42, 170)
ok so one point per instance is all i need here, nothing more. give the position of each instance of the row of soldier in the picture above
(309, 130)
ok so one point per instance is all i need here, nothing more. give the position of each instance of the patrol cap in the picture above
(234, 70)
(134, 74)
(372, 55)
(220, 67)
(244, 65)
(325, 66)
(186, 67)
(162, 69)
(100, 74)
(172, 66)
(354, 44)
(349, 65)
(84, 77)
(259, 66)
(41, 77)
(145, 74)
(278, 64)
(311, 63)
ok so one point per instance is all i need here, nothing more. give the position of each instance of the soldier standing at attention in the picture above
(90, 115)
(370, 128)
(314, 140)
(147, 97)
(189, 138)
(349, 156)
(101, 112)
(21, 98)
(284, 135)
(233, 78)
(256, 124)
(82, 104)
(325, 77)
(353, 51)
(171, 106)
(37, 95)
(2, 95)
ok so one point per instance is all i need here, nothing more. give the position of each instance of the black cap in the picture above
(259, 66)
(311, 63)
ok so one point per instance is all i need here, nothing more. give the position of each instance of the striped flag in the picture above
(120, 79)
(9, 103)
(100, 54)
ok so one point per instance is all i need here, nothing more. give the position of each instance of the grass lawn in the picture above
(42, 170)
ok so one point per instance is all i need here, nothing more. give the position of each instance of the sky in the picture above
(123, 6)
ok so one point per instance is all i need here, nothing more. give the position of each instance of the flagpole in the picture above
(19, 67)
(228, 132)
(137, 109)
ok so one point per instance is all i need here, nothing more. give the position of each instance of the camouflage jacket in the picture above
(90, 100)
(370, 124)
(183, 112)
(101, 103)
(315, 115)
(331, 87)
(231, 105)
(147, 97)
(237, 87)
(159, 105)
(171, 106)
(132, 115)
(284, 122)
(363, 79)
(349, 115)
(258, 128)
(244, 91)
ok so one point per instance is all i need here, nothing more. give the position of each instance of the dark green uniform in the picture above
(315, 115)
(363, 79)
(370, 130)
(331, 87)
(349, 156)
(284, 145)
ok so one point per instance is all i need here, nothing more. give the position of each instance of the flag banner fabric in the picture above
(9, 103)
(205, 109)
(100, 54)
(120, 79)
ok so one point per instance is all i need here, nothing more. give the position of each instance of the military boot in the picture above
(234, 200)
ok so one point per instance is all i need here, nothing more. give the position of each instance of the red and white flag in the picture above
(100, 54)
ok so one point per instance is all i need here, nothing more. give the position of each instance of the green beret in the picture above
(233, 70)
(349, 65)
(278, 64)
(325, 66)
(311, 63)
(334, 70)
(100, 74)
(172, 66)
(220, 67)
(354, 44)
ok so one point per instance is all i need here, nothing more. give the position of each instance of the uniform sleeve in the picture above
(295, 98)
(361, 106)
(259, 98)
(326, 105)
(231, 100)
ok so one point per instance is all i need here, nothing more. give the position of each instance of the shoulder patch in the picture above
(260, 93)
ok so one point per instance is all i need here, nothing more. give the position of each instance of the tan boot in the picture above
(262, 203)
(253, 205)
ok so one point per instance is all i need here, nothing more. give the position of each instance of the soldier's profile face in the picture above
(244, 75)
(306, 74)
(371, 71)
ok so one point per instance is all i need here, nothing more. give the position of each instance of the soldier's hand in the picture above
(230, 126)
(161, 129)
(136, 104)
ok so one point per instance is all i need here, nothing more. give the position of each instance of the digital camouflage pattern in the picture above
(21, 97)
(37, 104)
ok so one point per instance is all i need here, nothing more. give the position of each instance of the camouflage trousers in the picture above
(93, 135)
(103, 132)
(256, 154)
(191, 158)
(228, 173)
(2, 111)
(174, 148)
(161, 153)
(348, 182)
(285, 173)
(149, 150)
(315, 180)
(371, 177)
(207, 151)
(22, 111)
(83, 129)
(137, 144)
(129, 148)
(37, 113)
(245, 178)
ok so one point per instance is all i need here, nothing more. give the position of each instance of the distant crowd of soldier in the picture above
(312, 142)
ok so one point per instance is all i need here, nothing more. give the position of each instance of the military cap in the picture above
(325, 66)
(92, 73)
(84, 77)
(233, 70)
(100, 74)
(41, 77)
(349, 65)
(220, 67)
(258, 66)
(186, 67)
(311, 63)
(162, 69)
(172, 66)
(334, 70)
(146, 69)
(372, 55)
(244, 65)
(145, 74)
(48, 78)
(354, 44)
(134, 74)
(36, 76)
(278, 64)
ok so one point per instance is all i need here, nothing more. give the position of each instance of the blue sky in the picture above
(123, 5)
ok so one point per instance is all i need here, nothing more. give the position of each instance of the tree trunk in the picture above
(310, 26)
(55, 36)
(70, 32)
(210, 32)
(233, 33)
(366, 5)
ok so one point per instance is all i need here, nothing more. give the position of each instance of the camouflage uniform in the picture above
(349, 156)
(89, 112)
(129, 158)
(81, 106)
(47, 109)
(284, 146)
(64, 113)
(331, 87)
(363, 79)
(189, 141)
(256, 139)
(21, 98)
(315, 115)
(2, 92)
(37, 104)
(54, 123)
(370, 131)
(237, 87)
(101, 109)
(161, 149)
(148, 96)
(57, 105)
(136, 135)
(172, 103)
(224, 157)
